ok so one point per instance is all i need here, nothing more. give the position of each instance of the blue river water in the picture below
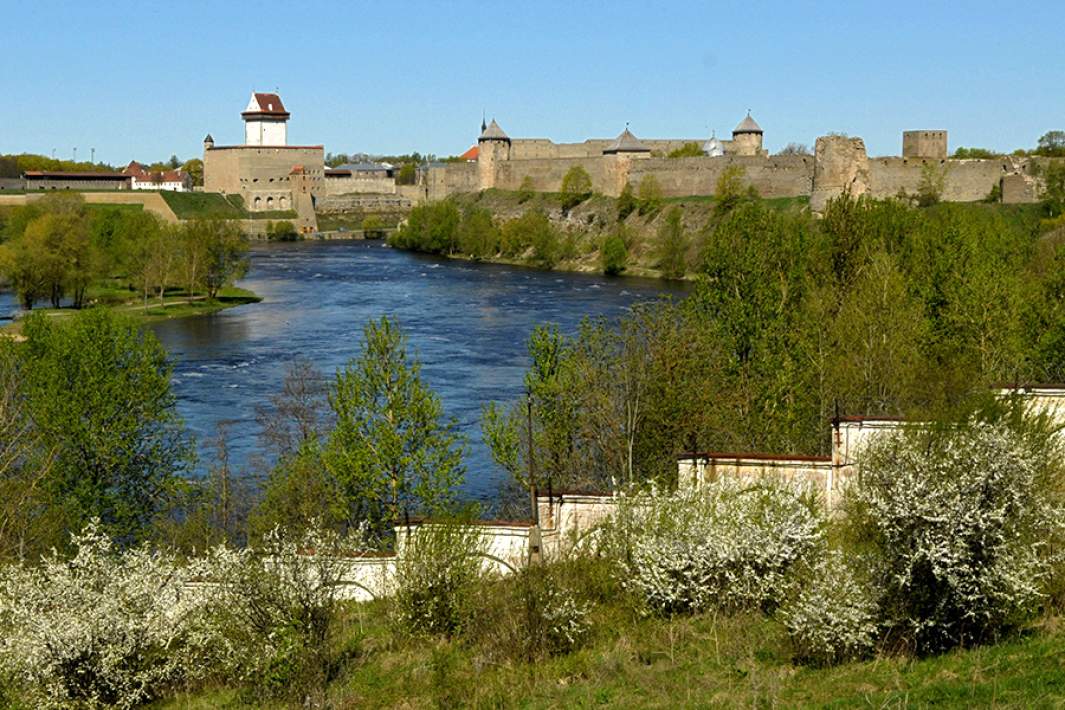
(467, 323)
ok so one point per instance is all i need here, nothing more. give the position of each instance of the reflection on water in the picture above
(468, 324)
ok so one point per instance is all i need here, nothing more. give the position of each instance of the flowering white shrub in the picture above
(725, 545)
(105, 628)
(959, 525)
(276, 605)
(831, 617)
(438, 569)
(565, 619)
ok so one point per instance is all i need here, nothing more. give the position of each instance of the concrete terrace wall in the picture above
(441, 181)
(778, 176)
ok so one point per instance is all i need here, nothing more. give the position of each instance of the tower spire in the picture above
(484, 126)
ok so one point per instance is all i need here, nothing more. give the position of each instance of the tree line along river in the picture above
(467, 323)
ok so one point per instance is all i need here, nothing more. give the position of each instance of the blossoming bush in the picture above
(105, 628)
(958, 523)
(727, 545)
(439, 568)
(831, 616)
(277, 607)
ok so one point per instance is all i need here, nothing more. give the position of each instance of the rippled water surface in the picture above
(467, 323)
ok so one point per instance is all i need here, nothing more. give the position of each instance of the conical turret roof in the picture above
(747, 125)
(493, 133)
(626, 143)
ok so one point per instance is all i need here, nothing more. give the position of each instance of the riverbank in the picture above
(636, 236)
(174, 305)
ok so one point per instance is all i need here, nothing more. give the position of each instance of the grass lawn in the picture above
(199, 205)
(176, 304)
(703, 661)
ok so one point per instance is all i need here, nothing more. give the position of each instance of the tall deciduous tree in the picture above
(98, 392)
(225, 252)
(392, 447)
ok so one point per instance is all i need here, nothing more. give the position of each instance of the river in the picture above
(468, 324)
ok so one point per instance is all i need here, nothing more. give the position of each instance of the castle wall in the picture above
(261, 174)
(537, 148)
(545, 174)
(778, 176)
(352, 184)
(965, 180)
(444, 180)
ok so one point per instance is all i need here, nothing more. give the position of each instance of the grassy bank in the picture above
(702, 661)
(175, 304)
(212, 205)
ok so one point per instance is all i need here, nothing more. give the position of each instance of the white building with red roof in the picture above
(265, 121)
(144, 179)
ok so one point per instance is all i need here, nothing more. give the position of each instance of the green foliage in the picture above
(1053, 195)
(407, 174)
(98, 392)
(614, 254)
(1051, 144)
(194, 168)
(673, 245)
(431, 228)
(391, 448)
(974, 153)
(730, 188)
(283, 231)
(930, 188)
(225, 252)
(532, 231)
(373, 227)
(688, 150)
(437, 573)
(649, 195)
(626, 202)
(478, 235)
(576, 187)
(525, 190)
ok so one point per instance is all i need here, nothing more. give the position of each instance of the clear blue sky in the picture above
(147, 79)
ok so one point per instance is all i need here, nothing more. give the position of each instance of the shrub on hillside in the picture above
(650, 195)
(532, 231)
(730, 189)
(282, 231)
(831, 616)
(104, 628)
(727, 545)
(626, 202)
(614, 254)
(431, 228)
(439, 568)
(959, 528)
(576, 187)
(478, 235)
(277, 607)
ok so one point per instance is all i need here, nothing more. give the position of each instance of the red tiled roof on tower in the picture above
(471, 154)
(266, 105)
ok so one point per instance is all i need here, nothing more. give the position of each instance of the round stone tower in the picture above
(747, 137)
(493, 147)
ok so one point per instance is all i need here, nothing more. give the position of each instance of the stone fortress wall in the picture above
(839, 163)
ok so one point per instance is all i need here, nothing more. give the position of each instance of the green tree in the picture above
(650, 195)
(673, 245)
(526, 190)
(931, 186)
(391, 448)
(281, 231)
(974, 153)
(225, 252)
(576, 187)
(533, 230)
(407, 175)
(478, 235)
(688, 150)
(98, 391)
(614, 254)
(626, 202)
(373, 227)
(1051, 144)
(194, 168)
(730, 188)
(431, 228)
(1053, 194)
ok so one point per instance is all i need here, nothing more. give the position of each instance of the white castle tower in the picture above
(265, 121)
